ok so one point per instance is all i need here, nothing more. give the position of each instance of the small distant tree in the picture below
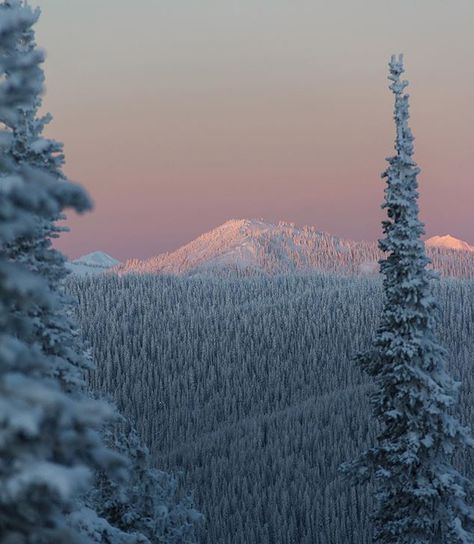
(420, 496)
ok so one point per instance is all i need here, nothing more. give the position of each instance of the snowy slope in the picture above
(250, 246)
(256, 246)
(449, 242)
(93, 263)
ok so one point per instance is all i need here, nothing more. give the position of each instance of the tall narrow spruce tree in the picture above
(421, 498)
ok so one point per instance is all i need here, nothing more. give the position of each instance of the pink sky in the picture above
(177, 116)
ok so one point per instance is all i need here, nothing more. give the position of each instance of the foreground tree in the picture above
(49, 441)
(421, 498)
(45, 326)
(53, 329)
(150, 504)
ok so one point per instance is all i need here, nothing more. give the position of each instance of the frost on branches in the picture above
(49, 444)
(421, 498)
(53, 328)
(150, 504)
(51, 433)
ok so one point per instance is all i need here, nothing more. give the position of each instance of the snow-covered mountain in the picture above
(251, 246)
(449, 242)
(92, 263)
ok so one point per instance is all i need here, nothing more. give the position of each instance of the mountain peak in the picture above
(92, 263)
(256, 246)
(449, 242)
(97, 258)
(249, 226)
(247, 245)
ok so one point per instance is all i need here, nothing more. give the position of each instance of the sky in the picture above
(178, 115)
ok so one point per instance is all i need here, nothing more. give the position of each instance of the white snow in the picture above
(253, 245)
(92, 263)
(449, 242)
(97, 258)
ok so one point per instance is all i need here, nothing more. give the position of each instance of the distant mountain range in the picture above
(254, 246)
(93, 263)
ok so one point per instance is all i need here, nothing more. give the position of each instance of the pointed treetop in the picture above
(404, 139)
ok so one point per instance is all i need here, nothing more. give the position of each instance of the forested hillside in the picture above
(248, 386)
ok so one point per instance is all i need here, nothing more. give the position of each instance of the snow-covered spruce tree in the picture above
(53, 328)
(150, 504)
(420, 497)
(49, 442)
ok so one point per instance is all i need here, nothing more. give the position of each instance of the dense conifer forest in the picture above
(248, 386)
(222, 378)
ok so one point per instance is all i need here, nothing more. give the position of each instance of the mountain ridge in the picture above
(255, 246)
